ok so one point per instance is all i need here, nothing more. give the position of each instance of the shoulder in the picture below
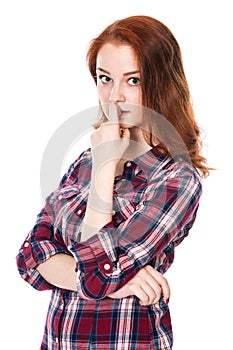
(175, 176)
(183, 170)
(84, 158)
(185, 178)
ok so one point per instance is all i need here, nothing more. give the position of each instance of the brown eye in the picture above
(105, 79)
(134, 81)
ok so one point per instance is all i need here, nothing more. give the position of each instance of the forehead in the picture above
(112, 57)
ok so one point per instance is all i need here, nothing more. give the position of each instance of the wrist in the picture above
(107, 168)
(100, 197)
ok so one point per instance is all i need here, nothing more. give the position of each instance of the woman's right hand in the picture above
(109, 142)
(147, 285)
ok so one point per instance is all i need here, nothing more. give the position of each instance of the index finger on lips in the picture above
(113, 113)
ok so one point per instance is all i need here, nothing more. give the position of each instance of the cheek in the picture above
(103, 98)
(103, 94)
(137, 113)
(105, 109)
(135, 97)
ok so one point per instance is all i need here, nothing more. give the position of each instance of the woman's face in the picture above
(118, 81)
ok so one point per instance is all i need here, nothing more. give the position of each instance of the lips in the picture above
(122, 113)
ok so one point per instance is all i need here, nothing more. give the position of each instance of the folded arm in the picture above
(147, 285)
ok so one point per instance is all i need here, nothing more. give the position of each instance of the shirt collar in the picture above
(151, 161)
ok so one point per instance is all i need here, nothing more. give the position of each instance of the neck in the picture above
(137, 145)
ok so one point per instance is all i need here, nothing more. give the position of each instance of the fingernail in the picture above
(167, 301)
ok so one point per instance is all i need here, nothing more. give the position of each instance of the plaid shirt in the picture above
(154, 206)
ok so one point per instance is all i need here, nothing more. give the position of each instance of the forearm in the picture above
(109, 144)
(59, 270)
(100, 200)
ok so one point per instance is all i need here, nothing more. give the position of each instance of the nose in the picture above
(117, 94)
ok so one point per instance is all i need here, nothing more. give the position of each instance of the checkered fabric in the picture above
(155, 202)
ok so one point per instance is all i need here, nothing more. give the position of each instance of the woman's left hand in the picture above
(148, 285)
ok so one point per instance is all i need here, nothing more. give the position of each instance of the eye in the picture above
(104, 79)
(134, 81)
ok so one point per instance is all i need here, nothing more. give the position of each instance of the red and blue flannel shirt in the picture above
(155, 202)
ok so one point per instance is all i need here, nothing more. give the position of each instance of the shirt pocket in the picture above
(69, 213)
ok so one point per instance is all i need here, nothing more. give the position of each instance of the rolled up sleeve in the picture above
(41, 243)
(39, 246)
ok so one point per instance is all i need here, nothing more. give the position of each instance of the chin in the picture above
(126, 125)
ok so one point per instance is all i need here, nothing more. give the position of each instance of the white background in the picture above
(44, 81)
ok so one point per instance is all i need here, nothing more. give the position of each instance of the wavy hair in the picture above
(164, 85)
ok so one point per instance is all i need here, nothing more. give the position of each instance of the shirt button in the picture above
(60, 197)
(79, 212)
(128, 164)
(107, 267)
(56, 340)
(113, 212)
(26, 244)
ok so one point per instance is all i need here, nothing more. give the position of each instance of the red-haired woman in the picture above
(107, 235)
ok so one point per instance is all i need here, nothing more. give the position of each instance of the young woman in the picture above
(107, 235)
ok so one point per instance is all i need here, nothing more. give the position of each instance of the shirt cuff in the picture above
(37, 252)
(98, 252)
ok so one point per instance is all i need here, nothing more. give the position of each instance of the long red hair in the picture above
(164, 85)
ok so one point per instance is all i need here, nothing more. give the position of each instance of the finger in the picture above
(140, 293)
(153, 289)
(148, 288)
(165, 288)
(120, 293)
(113, 113)
(153, 293)
(150, 284)
(125, 134)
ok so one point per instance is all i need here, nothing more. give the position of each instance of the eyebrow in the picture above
(125, 74)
